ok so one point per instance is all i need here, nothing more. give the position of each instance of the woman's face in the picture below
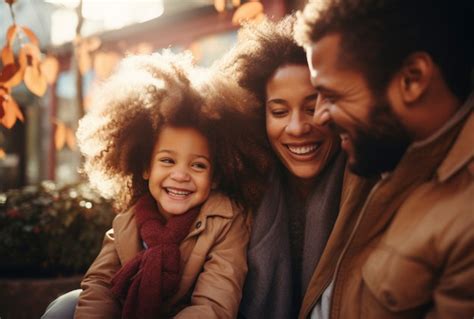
(302, 146)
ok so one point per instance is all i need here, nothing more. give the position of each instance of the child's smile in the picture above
(180, 172)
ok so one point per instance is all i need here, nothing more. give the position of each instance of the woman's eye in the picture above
(166, 160)
(310, 110)
(278, 113)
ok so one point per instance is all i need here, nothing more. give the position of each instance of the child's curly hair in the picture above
(147, 92)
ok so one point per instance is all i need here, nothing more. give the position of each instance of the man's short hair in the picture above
(378, 35)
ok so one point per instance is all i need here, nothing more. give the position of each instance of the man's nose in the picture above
(321, 114)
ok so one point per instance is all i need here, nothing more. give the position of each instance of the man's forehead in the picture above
(322, 57)
(325, 51)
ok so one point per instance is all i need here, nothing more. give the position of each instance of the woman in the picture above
(296, 216)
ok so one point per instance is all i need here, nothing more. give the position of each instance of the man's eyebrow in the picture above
(325, 90)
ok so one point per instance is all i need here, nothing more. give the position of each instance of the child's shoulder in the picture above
(221, 205)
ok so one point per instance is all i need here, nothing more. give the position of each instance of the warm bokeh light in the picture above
(100, 15)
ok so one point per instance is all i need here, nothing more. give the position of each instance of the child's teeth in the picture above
(178, 192)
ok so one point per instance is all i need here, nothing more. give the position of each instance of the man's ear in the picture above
(415, 76)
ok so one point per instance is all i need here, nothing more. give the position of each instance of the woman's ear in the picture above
(415, 76)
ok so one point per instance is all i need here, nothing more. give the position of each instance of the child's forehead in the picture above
(182, 140)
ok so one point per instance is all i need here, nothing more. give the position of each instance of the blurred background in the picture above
(80, 43)
(53, 53)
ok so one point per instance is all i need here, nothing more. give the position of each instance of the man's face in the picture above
(371, 134)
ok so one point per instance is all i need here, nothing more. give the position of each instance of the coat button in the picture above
(198, 224)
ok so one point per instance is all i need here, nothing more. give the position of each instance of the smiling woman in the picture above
(303, 147)
(295, 218)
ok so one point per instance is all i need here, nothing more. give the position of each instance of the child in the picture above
(155, 147)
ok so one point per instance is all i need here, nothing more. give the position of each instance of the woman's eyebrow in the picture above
(311, 97)
(277, 101)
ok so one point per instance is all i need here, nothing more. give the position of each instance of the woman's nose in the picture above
(297, 125)
(180, 175)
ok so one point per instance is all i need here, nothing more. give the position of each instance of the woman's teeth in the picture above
(303, 150)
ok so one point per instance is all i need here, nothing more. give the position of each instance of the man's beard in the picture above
(380, 145)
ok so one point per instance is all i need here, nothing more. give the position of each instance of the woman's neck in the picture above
(301, 187)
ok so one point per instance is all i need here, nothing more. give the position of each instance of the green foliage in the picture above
(50, 231)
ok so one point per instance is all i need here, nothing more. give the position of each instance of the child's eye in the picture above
(166, 160)
(199, 166)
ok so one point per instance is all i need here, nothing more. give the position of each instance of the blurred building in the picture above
(31, 151)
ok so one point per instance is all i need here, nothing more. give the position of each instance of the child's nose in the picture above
(180, 175)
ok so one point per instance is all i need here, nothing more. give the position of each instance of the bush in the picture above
(50, 231)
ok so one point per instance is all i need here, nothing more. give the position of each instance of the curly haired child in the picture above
(160, 146)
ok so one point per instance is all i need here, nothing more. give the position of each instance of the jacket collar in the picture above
(127, 239)
(461, 153)
(216, 205)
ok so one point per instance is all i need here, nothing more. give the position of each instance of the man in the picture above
(394, 79)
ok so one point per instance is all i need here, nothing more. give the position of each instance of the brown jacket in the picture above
(411, 253)
(213, 261)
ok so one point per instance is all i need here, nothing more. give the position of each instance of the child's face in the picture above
(180, 172)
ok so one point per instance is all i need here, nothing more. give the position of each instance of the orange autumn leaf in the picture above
(11, 75)
(29, 58)
(60, 136)
(219, 5)
(7, 55)
(259, 17)
(11, 33)
(35, 81)
(2, 110)
(92, 44)
(70, 139)
(12, 112)
(4, 90)
(10, 2)
(246, 12)
(30, 34)
(29, 54)
(50, 68)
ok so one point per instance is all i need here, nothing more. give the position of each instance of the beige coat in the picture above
(411, 253)
(214, 265)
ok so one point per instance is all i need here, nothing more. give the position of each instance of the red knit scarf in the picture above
(154, 274)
